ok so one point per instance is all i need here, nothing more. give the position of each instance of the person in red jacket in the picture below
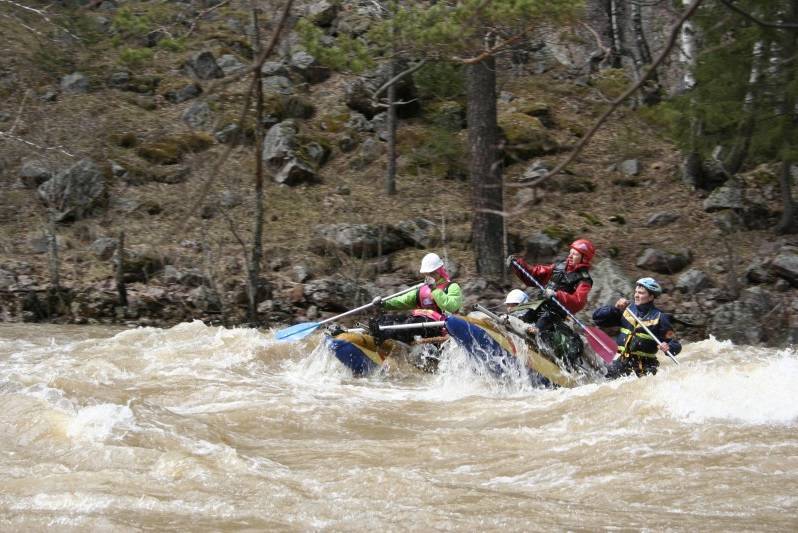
(569, 282)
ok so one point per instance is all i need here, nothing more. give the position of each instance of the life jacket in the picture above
(528, 312)
(636, 341)
(426, 305)
(562, 280)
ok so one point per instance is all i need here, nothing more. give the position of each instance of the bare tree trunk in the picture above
(739, 151)
(485, 170)
(640, 37)
(789, 216)
(687, 52)
(617, 45)
(390, 177)
(651, 91)
(52, 242)
(121, 290)
(253, 268)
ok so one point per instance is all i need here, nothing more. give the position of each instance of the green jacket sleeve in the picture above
(450, 301)
(404, 301)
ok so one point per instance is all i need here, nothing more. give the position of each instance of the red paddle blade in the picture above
(602, 344)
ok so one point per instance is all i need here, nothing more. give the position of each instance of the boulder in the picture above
(322, 13)
(198, 116)
(358, 93)
(7, 279)
(181, 94)
(420, 232)
(540, 248)
(336, 294)
(662, 261)
(104, 247)
(693, 281)
(630, 167)
(357, 240)
(277, 85)
(75, 83)
(729, 196)
(740, 321)
(785, 264)
(308, 67)
(296, 172)
(33, 173)
(203, 65)
(230, 64)
(609, 283)
(141, 264)
(75, 192)
(663, 218)
(526, 137)
(280, 144)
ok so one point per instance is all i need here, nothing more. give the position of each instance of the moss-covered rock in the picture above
(170, 149)
(526, 137)
(534, 108)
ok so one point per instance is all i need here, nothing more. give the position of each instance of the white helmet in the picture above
(430, 263)
(516, 296)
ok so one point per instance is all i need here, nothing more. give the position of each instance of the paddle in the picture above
(300, 331)
(667, 352)
(602, 344)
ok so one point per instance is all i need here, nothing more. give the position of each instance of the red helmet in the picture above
(584, 247)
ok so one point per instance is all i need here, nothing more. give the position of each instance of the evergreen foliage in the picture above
(745, 79)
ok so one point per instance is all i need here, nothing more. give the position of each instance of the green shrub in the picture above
(136, 56)
(173, 45)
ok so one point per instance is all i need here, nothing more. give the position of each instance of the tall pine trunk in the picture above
(253, 269)
(789, 216)
(745, 131)
(485, 169)
(390, 177)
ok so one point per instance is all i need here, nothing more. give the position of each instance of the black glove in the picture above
(374, 330)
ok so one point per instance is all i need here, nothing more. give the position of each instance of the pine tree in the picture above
(744, 97)
(470, 33)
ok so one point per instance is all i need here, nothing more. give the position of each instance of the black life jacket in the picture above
(567, 281)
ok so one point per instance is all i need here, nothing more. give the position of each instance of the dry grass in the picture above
(86, 126)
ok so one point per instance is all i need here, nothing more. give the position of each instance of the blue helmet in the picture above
(651, 285)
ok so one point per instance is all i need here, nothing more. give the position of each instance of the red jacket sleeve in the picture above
(542, 273)
(575, 302)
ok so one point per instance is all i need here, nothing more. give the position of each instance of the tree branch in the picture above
(244, 110)
(43, 15)
(492, 51)
(758, 21)
(398, 77)
(618, 101)
(202, 14)
(29, 143)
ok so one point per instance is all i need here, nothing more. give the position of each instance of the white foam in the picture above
(97, 422)
(758, 390)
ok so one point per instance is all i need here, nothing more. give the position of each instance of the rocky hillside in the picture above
(124, 117)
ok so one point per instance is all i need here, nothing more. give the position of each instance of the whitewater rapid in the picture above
(206, 428)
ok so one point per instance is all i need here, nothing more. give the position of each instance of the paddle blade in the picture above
(602, 344)
(297, 331)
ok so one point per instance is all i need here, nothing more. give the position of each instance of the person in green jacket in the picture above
(429, 303)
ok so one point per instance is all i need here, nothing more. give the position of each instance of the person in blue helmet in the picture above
(637, 350)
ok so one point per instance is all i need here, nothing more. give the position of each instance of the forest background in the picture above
(258, 162)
